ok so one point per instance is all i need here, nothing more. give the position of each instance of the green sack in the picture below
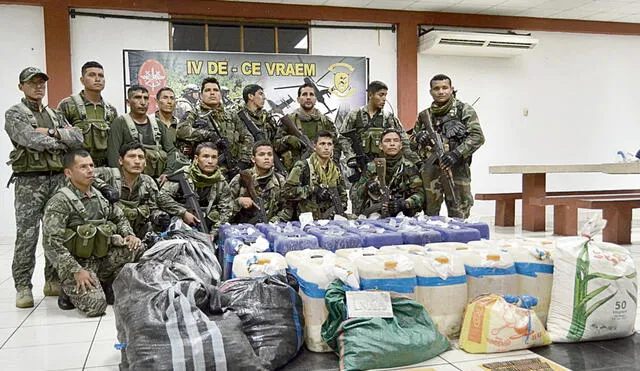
(364, 343)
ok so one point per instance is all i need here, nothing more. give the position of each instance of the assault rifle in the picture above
(361, 158)
(293, 130)
(336, 207)
(260, 216)
(192, 199)
(259, 135)
(437, 146)
(381, 173)
(222, 143)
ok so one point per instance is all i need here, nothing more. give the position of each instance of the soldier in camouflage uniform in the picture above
(367, 124)
(40, 137)
(207, 181)
(81, 231)
(402, 181)
(310, 180)
(90, 112)
(459, 126)
(137, 126)
(212, 123)
(309, 121)
(267, 185)
(254, 99)
(166, 101)
(146, 208)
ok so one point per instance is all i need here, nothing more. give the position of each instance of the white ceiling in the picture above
(591, 10)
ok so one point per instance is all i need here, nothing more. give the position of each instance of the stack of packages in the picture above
(171, 315)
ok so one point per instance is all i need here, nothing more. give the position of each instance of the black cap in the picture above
(31, 72)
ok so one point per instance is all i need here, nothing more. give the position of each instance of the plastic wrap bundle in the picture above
(594, 290)
(451, 232)
(448, 246)
(412, 233)
(286, 237)
(489, 272)
(315, 270)
(493, 324)
(402, 249)
(236, 230)
(259, 265)
(373, 235)
(271, 314)
(441, 288)
(366, 343)
(169, 313)
(253, 243)
(356, 253)
(481, 227)
(393, 273)
(332, 237)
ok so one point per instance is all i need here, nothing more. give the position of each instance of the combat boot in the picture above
(64, 301)
(51, 288)
(24, 298)
(108, 293)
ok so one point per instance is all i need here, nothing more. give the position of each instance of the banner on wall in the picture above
(340, 82)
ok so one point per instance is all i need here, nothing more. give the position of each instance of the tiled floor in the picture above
(46, 338)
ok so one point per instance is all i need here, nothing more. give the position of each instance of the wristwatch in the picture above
(52, 132)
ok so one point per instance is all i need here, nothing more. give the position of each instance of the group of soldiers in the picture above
(100, 182)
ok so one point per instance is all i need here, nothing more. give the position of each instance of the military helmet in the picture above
(190, 88)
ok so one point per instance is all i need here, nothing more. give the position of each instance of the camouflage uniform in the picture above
(309, 124)
(302, 186)
(370, 129)
(157, 145)
(37, 167)
(171, 129)
(62, 217)
(403, 180)
(94, 120)
(213, 192)
(269, 188)
(210, 125)
(142, 203)
(176, 159)
(263, 121)
(183, 106)
(464, 146)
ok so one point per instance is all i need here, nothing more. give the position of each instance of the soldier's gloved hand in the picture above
(352, 163)
(422, 138)
(374, 188)
(161, 222)
(402, 205)
(323, 194)
(293, 142)
(223, 145)
(449, 159)
(111, 194)
(453, 129)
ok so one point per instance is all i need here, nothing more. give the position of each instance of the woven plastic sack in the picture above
(364, 343)
(492, 325)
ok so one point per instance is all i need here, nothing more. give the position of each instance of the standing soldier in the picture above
(40, 138)
(166, 101)
(315, 184)
(188, 102)
(257, 192)
(90, 112)
(391, 184)
(459, 128)
(145, 207)
(137, 126)
(80, 227)
(363, 128)
(253, 110)
(309, 121)
(212, 190)
(212, 123)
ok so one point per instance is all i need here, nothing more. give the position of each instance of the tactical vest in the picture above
(24, 160)
(92, 237)
(310, 131)
(372, 135)
(136, 212)
(156, 157)
(95, 131)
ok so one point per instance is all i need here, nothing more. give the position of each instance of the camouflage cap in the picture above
(31, 72)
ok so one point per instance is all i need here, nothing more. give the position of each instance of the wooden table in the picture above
(534, 184)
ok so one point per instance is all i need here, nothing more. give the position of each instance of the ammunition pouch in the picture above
(134, 212)
(371, 140)
(24, 160)
(90, 239)
(156, 160)
(95, 133)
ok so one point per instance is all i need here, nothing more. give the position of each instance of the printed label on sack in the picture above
(477, 320)
(369, 304)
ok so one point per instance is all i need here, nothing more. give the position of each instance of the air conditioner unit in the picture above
(480, 44)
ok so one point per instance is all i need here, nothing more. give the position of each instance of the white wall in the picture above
(103, 39)
(379, 46)
(580, 91)
(22, 28)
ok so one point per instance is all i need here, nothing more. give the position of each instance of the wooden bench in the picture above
(506, 202)
(565, 212)
(618, 213)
